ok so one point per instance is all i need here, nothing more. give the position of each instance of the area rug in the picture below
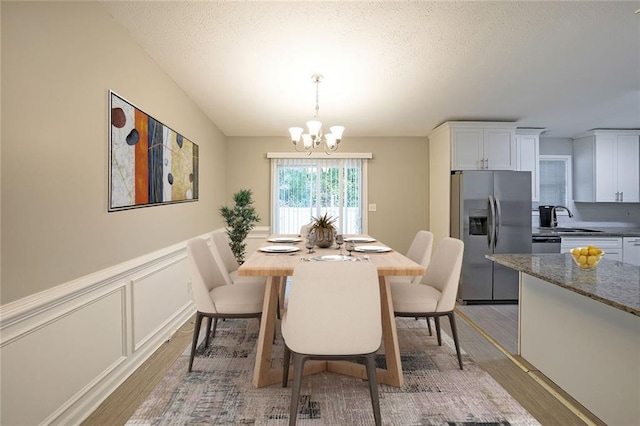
(436, 391)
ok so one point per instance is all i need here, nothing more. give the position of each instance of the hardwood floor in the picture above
(125, 400)
(538, 396)
(498, 321)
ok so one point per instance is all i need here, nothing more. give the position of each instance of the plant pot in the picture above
(324, 237)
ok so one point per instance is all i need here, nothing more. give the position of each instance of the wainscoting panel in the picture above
(65, 350)
(48, 365)
(158, 296)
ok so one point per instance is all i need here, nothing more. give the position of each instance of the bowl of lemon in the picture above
(587, 258)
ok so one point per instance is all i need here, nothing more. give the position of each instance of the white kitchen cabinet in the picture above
(606, 166)
(482, 145)
(631, 250)
(612, 246)
(528, 157)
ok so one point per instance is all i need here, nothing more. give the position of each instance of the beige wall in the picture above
(398, 180)
(59, 61)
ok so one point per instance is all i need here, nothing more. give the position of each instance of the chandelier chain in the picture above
(317, 101)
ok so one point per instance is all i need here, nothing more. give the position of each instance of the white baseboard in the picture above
(66, 349)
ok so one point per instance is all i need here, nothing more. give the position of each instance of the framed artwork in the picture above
(149, 163)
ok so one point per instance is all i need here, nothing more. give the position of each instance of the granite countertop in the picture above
(613, 283)
(606, 231)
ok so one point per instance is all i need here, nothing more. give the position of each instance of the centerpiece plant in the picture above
(324, 230)
(240, 219)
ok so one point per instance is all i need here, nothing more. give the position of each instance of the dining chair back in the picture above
(213, 296)
(333, 313)
(227, 261)
(435, 295)
(420, 250)
(444, 272)
(304, 230)
(220, 242)
(205, 274)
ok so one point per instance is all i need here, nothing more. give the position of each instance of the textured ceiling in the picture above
(397, 68)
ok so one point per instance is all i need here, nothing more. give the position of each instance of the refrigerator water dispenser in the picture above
(478, 222)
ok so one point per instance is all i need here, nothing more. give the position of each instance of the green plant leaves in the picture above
(240, 219)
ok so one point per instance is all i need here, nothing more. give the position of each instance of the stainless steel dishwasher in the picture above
(547, 244)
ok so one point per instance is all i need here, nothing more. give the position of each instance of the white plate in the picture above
(360, 239)
(284, 240)
(372, 249)
(333, 258)
(279, 249)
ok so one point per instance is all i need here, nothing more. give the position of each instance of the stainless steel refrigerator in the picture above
(491, 213)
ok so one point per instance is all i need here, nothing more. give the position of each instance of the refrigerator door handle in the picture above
(497, 221)
(492, 218)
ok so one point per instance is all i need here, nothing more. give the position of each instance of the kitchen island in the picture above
(581, 329)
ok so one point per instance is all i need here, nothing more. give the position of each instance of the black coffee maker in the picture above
(548, 217)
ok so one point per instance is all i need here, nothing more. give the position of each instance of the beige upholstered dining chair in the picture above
(435, 295)
(213, 297)
(227, 261)
(420, 252)
(333, 313)
(304, 230)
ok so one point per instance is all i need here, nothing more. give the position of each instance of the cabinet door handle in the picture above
(622, 196)
(486, 163)
(617, 197)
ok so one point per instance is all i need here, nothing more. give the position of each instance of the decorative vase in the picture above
(324, 237)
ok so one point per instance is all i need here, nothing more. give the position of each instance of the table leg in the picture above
(282, 287)
(390, 336)
(261, 370)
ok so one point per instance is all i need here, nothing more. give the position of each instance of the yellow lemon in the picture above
(575, 251)
(584, 251)
(593, 252)
(592, 260)
(591, 246)
(582, 260)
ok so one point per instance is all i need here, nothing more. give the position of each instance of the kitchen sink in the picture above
(562, 229)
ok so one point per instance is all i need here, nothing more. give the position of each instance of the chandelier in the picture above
(309, 141)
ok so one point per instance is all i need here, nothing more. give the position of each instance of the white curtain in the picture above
(303, 188)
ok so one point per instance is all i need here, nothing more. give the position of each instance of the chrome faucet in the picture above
(554, 219)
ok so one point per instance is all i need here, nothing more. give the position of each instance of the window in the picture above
(555, 181)
(306, 187)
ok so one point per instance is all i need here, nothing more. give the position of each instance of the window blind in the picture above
(303, 188)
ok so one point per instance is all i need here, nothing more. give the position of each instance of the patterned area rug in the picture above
(436, 391)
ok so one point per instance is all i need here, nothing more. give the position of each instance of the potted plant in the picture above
(324, 230)
(240, 221)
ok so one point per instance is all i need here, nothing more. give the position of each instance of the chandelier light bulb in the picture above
(296, 132)
(307, 141)
(337, 131)
(330, 138)
(314, 127)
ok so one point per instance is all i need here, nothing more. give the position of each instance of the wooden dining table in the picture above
(278, 266)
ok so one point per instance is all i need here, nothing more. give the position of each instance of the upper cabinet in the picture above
(477, 145)
(528, 157)
(606, 166)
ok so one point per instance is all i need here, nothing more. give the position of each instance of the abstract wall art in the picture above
(149, 163)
